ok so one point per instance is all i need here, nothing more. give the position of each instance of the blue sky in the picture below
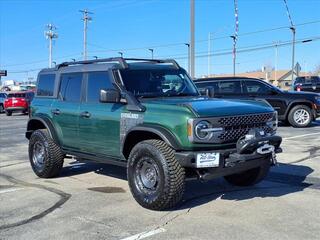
(133, 26)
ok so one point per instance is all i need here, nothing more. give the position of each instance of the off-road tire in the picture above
(8, 113)
(53, 156)
(249, 177)
(291, 116)
(170, 188)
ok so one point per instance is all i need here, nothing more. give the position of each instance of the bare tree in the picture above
(317, 70)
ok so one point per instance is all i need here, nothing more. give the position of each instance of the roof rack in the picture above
(122, 61)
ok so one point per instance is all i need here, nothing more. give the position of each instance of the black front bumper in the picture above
(233, 160)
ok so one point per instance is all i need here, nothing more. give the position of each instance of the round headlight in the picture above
(200, 130)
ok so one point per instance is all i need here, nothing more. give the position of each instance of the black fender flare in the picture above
(48, 125)
(300, 102)
(162, 132)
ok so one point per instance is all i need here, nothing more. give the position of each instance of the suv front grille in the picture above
(245, 120)
(238, 126)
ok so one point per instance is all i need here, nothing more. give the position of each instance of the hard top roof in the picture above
(113, 63)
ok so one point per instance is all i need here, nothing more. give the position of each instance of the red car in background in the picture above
(18, 102)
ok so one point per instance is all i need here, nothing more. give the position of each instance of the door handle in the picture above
(55, 111)
(85, 114)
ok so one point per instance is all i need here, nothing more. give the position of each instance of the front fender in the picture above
(41, 122)
(162, 132)
(298, 102)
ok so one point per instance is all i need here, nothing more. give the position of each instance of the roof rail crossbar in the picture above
(122, 61)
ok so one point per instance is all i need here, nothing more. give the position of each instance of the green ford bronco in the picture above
(148, 116)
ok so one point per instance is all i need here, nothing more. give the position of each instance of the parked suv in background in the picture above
(297, 108)
(3, 97)
(18, 102)
(307, 84)
(148, 116)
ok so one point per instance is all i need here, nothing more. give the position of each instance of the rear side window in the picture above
(307, 80)
(204, 85)
(70, 87)
(254, 87)
(46, 85)
(230, 87)
(96, 82)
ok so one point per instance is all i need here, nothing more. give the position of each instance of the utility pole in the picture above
(293, 29)
(209, 52)
(276, 65)
(234, 55)
(50, 34)
(192, 41)
(151, 50)
(235, 36)
(188, 45)
(85, 19)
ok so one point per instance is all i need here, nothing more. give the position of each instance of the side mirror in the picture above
(210, 92)
(110, 96)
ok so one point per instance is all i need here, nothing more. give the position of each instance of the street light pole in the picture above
(151, 50)
(188, 45)
(121, 54)
(192, 39)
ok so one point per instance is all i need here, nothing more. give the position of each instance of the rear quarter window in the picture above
(45, 86)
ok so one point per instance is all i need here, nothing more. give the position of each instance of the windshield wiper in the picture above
(182, 95)
(148, 96)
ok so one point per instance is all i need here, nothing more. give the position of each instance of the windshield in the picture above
(158, 83)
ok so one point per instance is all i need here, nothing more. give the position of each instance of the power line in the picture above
(253, 49)
(199, 41)
(40, 61)
(162, 45)
(228, 50)
(223, 52)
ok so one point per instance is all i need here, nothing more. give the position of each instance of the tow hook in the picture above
(274, 161)
(266, 149)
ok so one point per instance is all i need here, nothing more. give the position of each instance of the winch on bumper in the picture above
(252, 150)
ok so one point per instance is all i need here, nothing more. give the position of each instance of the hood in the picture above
(302, 94)
(211, 107)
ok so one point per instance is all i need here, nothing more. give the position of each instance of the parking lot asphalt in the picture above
(93, 201)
